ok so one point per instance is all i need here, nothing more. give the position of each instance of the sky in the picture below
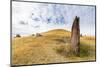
(31, 18)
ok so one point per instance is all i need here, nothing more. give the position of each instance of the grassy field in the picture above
(52, 47)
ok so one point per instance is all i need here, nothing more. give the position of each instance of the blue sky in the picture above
(29, 18)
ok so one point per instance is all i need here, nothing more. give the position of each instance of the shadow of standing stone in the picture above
(75, 37)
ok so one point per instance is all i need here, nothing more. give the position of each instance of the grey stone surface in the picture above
(75, 36)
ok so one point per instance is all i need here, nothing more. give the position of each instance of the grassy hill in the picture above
(52, 47)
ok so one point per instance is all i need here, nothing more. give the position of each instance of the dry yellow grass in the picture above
(52, 47)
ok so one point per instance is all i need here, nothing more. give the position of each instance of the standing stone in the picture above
(75, 37)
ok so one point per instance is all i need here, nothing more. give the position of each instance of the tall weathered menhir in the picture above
(75, 36)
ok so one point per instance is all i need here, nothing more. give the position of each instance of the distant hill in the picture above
(59, 32)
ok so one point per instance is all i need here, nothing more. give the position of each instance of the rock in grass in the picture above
(38, 35)
(18, 35)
